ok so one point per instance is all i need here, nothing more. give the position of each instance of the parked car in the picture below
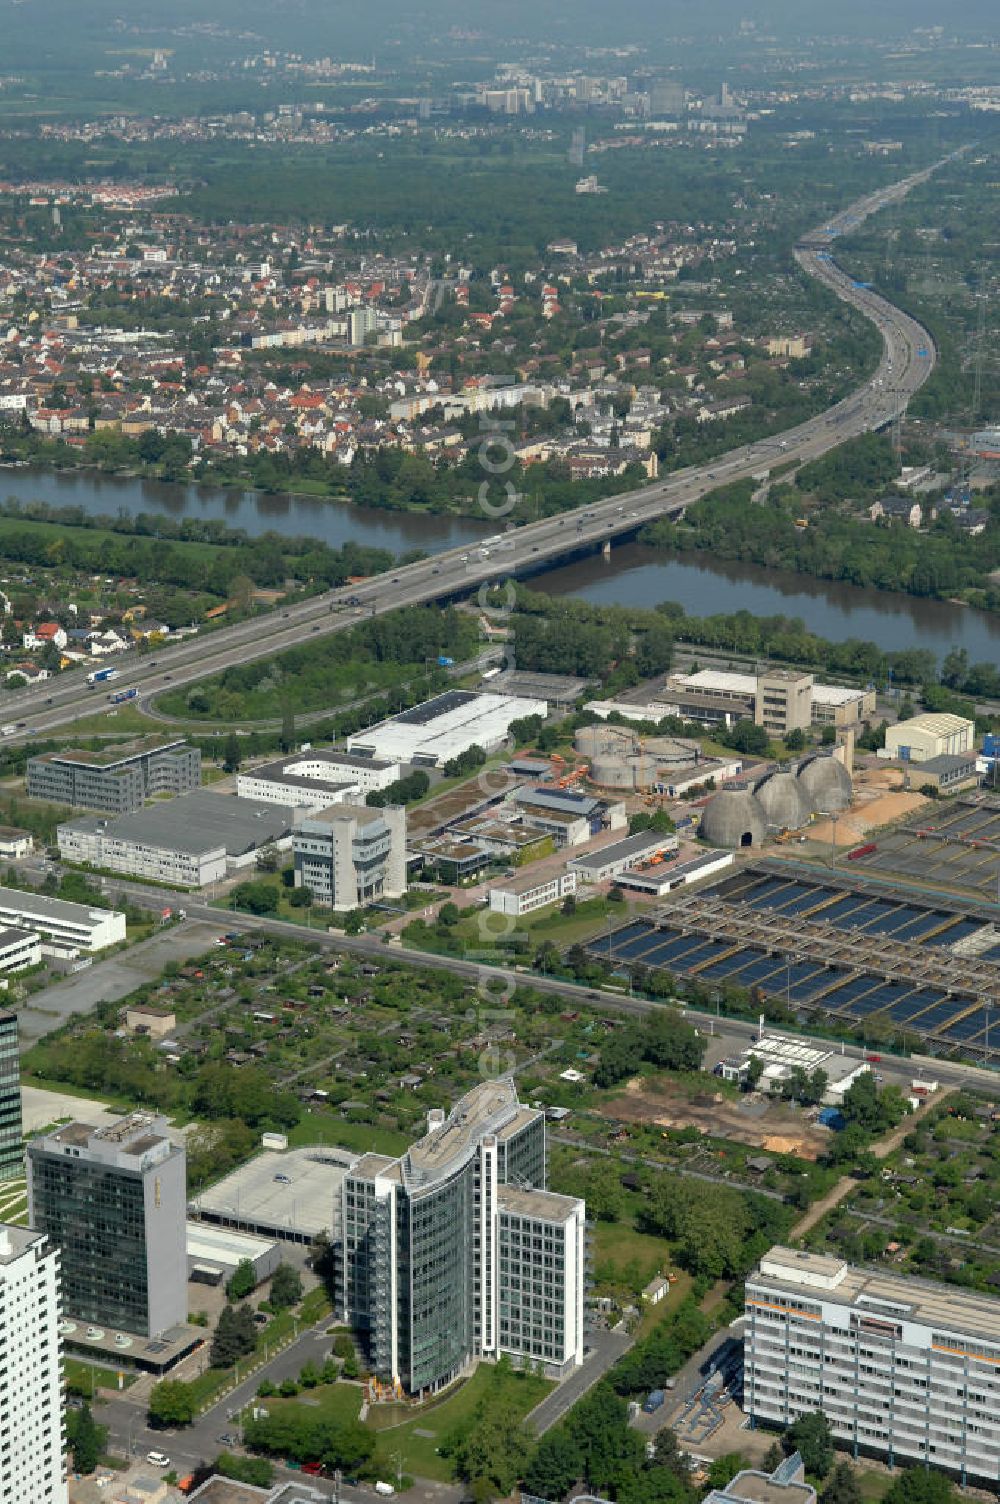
(158, 1459)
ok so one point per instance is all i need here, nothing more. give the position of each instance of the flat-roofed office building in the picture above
(903, 1369)
(116, 779)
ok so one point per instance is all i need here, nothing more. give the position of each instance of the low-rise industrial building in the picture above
(950, 773)
(432, 734)
(188, 843)
(214, 1253)
(610, 861)
(19, 949)
(654, 880)
(315, 780)
(116, 779)
(559, 691)
(923, 737)
(63, 928)
(903, 1369)
(155, 1023)
(780, 1057)
(570, 816)
(523, 895)
(353, 856)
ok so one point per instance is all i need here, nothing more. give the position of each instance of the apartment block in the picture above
(456, 1251)
(904, 1369)
(113, 1200)
(116, 779)
(32, 1461)
(352, 856)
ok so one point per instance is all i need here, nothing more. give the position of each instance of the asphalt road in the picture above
(604, 1350)
(908, 359)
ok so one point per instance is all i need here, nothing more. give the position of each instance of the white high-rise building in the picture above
(32, 1462)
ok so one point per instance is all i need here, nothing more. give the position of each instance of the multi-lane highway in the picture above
(907, 360)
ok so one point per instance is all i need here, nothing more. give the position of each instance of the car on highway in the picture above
(158, 1459)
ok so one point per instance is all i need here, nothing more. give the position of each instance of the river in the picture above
(638, 576)
(633, 576)
(253, 511)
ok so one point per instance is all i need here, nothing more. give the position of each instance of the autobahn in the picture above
(908, 358)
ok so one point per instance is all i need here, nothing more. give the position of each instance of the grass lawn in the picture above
(80, 1375)
(873, 1485)
(419, 1452)
(362, 1136)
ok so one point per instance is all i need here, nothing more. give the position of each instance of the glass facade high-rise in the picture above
(11, 1148)
(429, 1256)
(114, 1201)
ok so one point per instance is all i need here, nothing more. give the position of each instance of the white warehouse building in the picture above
(431, 734)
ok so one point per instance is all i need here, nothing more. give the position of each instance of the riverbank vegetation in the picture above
(941, 561)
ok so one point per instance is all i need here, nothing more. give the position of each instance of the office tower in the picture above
(11, 1150)
(456, 1251)
(32, 1467)
(903, 1369)
(114, 1201)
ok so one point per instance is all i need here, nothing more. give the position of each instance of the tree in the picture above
(810, 1436)
(86, 1439)
(795, 740)
(255, 1470)
(448, 915)
(286, 1287)
(242, 1281)
(255, 897)
(235, 1336)
(267, 858)
(724, 1469)
(171, 1403)
(231, 755)
(842, 1486)
(555, 1465)
(917, 1485)
(494, 1448)
(569, 905)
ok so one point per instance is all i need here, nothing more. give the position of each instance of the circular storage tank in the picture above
(734, 817)
(785, 803)
(611, 772)
(826, 784)
(592, 741)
